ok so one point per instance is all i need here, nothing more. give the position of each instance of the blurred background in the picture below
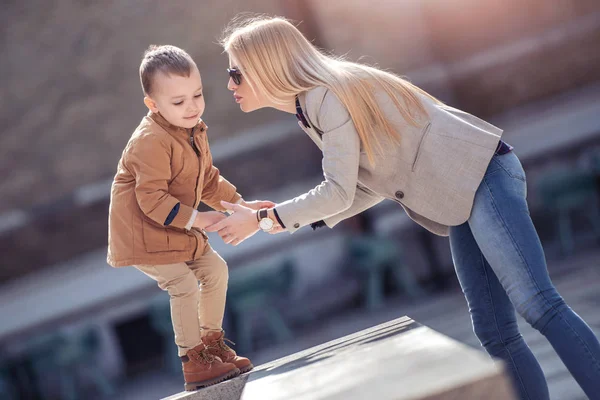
(71, 327)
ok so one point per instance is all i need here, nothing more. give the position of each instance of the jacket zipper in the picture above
(193, 144)
(197, 151)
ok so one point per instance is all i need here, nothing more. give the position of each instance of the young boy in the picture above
(164, 172)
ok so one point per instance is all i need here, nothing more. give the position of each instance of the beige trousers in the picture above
(195, 309)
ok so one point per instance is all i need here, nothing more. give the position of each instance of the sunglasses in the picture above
(235, 74)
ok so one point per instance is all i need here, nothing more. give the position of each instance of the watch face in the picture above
(266, 224)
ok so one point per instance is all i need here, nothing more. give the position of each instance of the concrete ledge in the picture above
(398, 360)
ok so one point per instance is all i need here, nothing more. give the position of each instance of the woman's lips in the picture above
(237, 98)
(192, 117)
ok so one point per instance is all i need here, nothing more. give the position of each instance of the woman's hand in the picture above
(258, 204)
(207, 218)
(238, 227)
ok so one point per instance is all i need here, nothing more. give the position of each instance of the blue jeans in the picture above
(501, 267)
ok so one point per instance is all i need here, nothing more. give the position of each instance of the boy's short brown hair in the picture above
(166, 59)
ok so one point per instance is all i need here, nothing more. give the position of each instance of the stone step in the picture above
(400, 359)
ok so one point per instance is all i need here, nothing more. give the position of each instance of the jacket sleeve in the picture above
(363, 200)
(149, 160)
(216, 187)
(341, 154)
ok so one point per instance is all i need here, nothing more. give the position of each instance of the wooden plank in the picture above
(398, 360)
(448, 314)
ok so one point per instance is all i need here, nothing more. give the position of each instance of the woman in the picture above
(384, 138)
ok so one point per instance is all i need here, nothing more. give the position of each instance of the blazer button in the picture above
(399, 194)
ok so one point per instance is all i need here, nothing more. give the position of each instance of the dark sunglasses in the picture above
(235, 74)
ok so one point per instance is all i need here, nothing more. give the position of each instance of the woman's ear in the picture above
(151, 104)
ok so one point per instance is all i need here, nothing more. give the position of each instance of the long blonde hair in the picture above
(278, 61)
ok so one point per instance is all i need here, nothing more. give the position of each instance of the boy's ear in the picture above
(150, 104)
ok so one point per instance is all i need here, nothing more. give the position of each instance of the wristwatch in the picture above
(264, 222)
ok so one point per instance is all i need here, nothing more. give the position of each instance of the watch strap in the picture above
(263, 213)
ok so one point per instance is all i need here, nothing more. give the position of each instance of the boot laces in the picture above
(223, 346)
(204, 355)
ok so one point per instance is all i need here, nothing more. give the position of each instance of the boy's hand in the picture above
(207, 218)
(276, 229)
(238, 227)
(258, 204)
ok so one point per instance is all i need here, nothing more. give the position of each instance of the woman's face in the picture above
(243, 94)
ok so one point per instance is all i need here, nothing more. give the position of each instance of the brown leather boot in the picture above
(215, 341)
(201, 369)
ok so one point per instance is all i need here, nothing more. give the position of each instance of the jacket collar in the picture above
(300, 114)
(302, 103)
(169, 127)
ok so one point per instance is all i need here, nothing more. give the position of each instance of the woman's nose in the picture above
(231, 84)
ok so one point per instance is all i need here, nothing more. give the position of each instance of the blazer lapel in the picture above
(311, 132)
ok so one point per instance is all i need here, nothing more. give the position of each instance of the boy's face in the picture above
(178, 98)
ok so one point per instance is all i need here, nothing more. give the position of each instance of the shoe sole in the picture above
(246, 369)
(190, 387)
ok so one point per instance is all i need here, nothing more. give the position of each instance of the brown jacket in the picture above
(158, 169)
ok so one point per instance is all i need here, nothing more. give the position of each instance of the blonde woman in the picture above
(384, 138)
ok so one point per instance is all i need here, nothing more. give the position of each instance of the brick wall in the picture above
(70, 95)
(490, 55)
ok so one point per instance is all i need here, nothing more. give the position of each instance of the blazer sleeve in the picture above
(363, 200)
(341, 154)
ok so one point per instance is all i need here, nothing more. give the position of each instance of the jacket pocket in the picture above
(178, 240)
(155, 238)
(159, 239)
(420, 147)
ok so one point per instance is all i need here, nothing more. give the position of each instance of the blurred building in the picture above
(71, 98)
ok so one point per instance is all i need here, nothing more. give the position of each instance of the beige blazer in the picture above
(433, 173)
